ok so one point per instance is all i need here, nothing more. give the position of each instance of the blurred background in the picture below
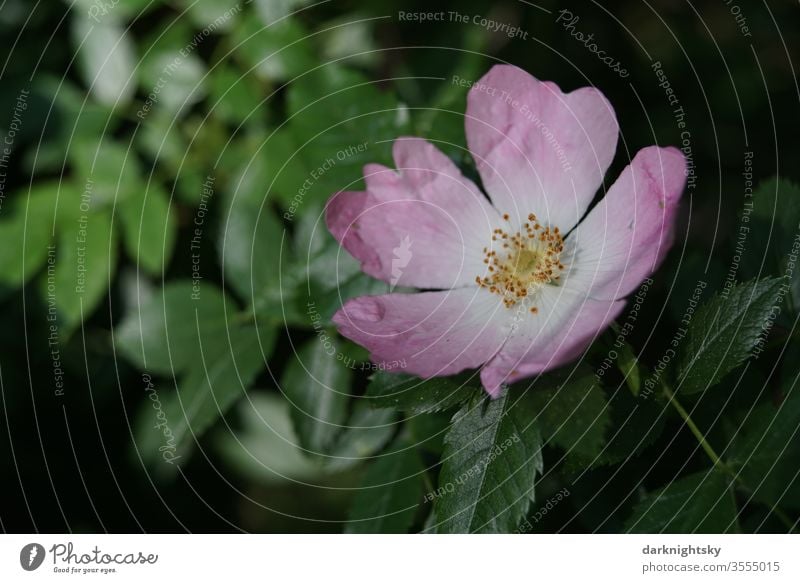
(163, 167)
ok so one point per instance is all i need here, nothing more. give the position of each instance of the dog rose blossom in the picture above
(524, 280)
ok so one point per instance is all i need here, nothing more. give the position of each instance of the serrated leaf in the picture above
(723, 332)
(148, 228)
(572, 411)
(412, 394)
(317, 385)
(492, 455)
(390, 493)
(701, 503)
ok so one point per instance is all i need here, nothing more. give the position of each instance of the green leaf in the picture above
(224, 368)
(723, 332)
(26, 234)
(159, 139)
(250, 242)
(389, 496)
(340, 122)
(85, 262)
(317, 385)
(272, 10)
(572, 411)
(765, 450)
(235, 97)
(772, 220)
(368, 431)
(163, 333)
(148, 228)
(222, 373)
(117, 10)
(173, 82)
(266, 448)
(350, 37)
(636, 423)
(701, 503)
(412, 394)
(107, 58)
(71, 118)
(492, 455)
(278, 52)
(107, 170)
(214, 14)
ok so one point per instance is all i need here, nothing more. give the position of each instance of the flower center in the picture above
(527, 260)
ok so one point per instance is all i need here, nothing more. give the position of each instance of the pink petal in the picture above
(537, 149)
(422, 226)
(627, 234)
(426, 334)
(566, 324)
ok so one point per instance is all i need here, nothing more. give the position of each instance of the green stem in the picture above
(696, 431)
(684, 414)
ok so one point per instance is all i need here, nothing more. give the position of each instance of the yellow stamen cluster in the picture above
(527, 260)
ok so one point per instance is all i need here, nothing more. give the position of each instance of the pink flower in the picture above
(521, 284)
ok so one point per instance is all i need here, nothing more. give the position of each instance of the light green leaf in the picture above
(26, 224)
(235, 97)
(159, 139)
(272, 10)
(85, 262)
(723, 332)
(162, 335)
(701, 503)
(148, 228)
(277, 52)
(107, 57)
(249, 244)
(223, 372)
(340, 121)
(411, 394)
(214, 15)
(368, 431)
(224, 368)
(390, 494)
(492, 455)
(317, 385)
(108, 171)
(266, 448)
(173, 82)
